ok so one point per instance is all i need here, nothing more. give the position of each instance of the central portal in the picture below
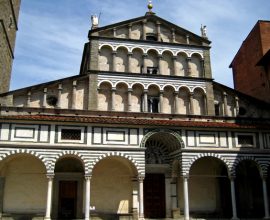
(154, 196)
(67, 199)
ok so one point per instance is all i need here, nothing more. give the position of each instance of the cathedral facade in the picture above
(142, 132)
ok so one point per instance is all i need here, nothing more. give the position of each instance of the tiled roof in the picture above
(135, 121)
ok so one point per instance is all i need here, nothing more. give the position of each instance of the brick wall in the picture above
(8, 26)
(249, 78)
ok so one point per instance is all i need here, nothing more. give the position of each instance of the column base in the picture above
(47, 218)
(176, 213)
(235, 218)
(267, 217)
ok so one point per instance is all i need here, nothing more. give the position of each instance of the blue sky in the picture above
(52, 33)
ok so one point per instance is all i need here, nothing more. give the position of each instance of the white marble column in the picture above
(225, 102)
(74, 88)
(129, 108)
(161, 93)
(158, 31)
(59, 95)
(129, 30)
(44, 98)
(87, 197)
(203, 68)
(145, 101)
(173, 35)
(28, 102)
(49, 197)
(186, 199)
(236, 106)
(141, 206)
(234, 217)
(159, 64)
(265, 199)
(175, 95)
(191, 106)
(113, 99)
(174, 65)
(144, 29)
(144, 70)
(114, 61)
(189, 67)
(129, 62)
(135, 195)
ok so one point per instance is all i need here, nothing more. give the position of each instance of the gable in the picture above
(150, 27)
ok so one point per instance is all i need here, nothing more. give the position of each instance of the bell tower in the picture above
(8, 28)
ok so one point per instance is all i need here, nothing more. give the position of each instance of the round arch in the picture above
(173, 134)
(248, 188)
(112, 184)
(105, 81)
(25, 187)
(114, 154)
(198, 88)
(106, 46)
(209, 177)
(122, 47)
(196, 54)
(204, 155)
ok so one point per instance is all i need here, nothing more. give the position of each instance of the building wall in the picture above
(249, 78)
(8, 27)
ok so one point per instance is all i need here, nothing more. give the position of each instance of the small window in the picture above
(152, 70)
(71, 134)
(245, 140)
(217, 109)
(153, 104)
(242, 111)
(52, 100)
(151, 37)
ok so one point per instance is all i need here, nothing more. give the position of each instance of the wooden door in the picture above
(154, 196)
(67, 199)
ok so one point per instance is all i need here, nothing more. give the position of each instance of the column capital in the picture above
(158, 23)
(191, 94)
(232, 177)
(175, 93)
(74, 83)
(130, 54)
(50, 175)
(141, 178)
(113, 89)
(159, 56)
(45, 90)
(144, 21)
(161, 92)
(145, 91)
(130, 25)
(174, 57)
(188, 59)
(88, 176)
(60, 86)
(145, 55)
(185, 177)
(224, 94)
(130, 90)
(114, 52)
(236, 98)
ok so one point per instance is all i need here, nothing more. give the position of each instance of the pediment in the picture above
(155, 28)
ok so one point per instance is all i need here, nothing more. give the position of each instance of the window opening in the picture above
(152, 70)
(245, 140)
(71, 134)
(153, 104)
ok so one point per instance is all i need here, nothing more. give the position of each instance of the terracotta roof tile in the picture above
(135, 121)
